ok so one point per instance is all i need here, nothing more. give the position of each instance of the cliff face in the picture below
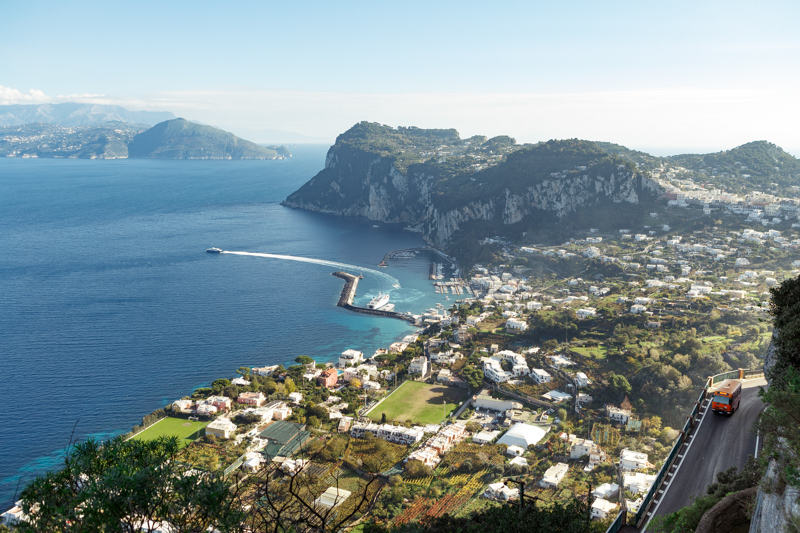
(775, 509)
(440, 189)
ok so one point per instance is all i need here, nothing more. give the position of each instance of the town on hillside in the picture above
(566, 371)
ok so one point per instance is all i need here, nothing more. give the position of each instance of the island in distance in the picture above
(91, 133)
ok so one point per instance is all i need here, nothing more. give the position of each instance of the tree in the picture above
(355, 383)
(288, 383)
(473, 376)
(472, 426)
(243, 371)
(550, 345)
(619, 385)
(416, 468)
(303, 360)
(218, 385)
(120, 485)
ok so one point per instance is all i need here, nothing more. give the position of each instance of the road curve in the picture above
(718, 443)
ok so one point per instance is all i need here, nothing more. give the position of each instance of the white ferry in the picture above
(379, 301)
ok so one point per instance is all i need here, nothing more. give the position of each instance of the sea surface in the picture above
(110, 307)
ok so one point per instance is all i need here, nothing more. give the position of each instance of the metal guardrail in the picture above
(733, 374)
(236, 464)
(616, 525)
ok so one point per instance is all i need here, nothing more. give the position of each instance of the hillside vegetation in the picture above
(181, 139)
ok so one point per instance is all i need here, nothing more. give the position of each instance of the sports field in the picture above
(418, 402)
(186, 430)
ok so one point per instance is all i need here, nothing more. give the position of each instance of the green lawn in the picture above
(419, 402)
(600, 352)
(186, 430)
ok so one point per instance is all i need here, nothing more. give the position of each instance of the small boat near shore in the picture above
(214, 250)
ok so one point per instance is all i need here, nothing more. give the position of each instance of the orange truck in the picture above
(727, 396)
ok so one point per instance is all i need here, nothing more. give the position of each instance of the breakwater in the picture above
(349, 293)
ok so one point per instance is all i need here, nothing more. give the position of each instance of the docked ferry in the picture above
(378, 302)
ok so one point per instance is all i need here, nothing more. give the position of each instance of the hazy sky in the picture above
(660, 76)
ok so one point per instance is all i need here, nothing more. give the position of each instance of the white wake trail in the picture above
(322, 262)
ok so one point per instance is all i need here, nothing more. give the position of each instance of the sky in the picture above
(664, 77)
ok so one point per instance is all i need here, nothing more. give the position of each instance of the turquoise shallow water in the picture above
(110, 307)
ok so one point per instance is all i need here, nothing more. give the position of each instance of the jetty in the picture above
(349, 294)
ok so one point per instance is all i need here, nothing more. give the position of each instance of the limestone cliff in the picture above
(777, 506)
(440, 184)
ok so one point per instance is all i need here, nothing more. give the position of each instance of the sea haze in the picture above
(110, 307)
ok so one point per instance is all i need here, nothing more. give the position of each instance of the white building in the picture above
(606, 490)
(618, 415)
(523, 435)
(581, 379)
(580, 447)
(388, 432)
(602, 508)
(517, 324)
(419, 365)
(499, 491)
(221, 428)
(485, 437)
(483, 401)
(559, 361)
(586, 312)
(264, 370)
(540, 375)
(638, 308)
(516, 451)
(332, 497)
(13, 515)
(554, 475)
(638, 482)
(493, 370)
(631, 460)
(350, 357)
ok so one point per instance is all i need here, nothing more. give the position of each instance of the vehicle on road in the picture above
(727, 396)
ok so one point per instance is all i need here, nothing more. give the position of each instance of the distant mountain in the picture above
(74, 114)
(758, 165)
(174, 139)
(181, 139)
(456, 191)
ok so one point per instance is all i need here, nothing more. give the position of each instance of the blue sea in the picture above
(110, 307)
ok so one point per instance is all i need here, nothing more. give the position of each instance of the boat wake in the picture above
(382, 275)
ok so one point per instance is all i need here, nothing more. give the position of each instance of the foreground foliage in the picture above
(127, 486)
(510, 518)
(780, 422)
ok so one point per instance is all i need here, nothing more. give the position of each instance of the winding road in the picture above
(717, 443)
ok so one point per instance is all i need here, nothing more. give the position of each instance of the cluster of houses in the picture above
(431, 453)
(639, 483)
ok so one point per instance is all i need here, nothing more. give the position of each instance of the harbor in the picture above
(349, 294)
